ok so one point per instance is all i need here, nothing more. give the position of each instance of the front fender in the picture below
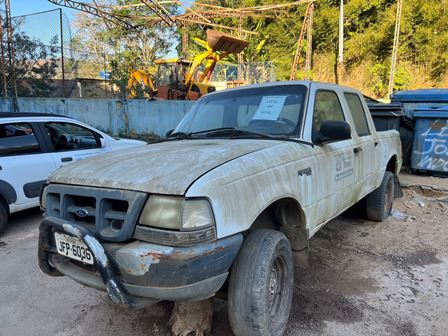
(241, 189)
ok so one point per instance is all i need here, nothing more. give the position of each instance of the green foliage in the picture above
(378, 79)
(126, 48)
(369, 30)
(368, 27)
(120, 64)
(34, 64)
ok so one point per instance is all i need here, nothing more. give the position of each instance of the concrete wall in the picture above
(112, 115)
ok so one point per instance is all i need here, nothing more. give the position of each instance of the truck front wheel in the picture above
(261, 285)
(380, 201)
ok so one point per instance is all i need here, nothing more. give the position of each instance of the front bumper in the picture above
(139, 273)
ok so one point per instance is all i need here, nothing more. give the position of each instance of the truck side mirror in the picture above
(333, 130)
(168, 134)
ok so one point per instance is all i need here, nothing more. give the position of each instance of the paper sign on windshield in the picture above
(270, 108)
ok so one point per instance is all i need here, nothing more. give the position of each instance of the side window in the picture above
(358, 113)
(18, 139)
(326, 107)
(67, 137)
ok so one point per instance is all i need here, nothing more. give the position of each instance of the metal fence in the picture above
(40, 59)
(249, 72)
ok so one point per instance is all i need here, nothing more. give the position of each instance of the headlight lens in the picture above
(197, 213)
(162, 211)
(43, 197)
(176, 213)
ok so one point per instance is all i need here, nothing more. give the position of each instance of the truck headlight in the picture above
(43, 197)
(170, 212)
(197, 213)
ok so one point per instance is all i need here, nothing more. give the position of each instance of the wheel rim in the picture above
(389, 198)
(277, 284)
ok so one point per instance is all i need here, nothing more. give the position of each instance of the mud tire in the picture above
(261, 285)
(379, 202)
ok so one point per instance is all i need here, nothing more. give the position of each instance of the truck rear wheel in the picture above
(380, 201)
(3, 217)
(261, 285)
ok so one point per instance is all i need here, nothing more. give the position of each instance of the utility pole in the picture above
(11, 55)
(2, 62)
(62, 54)
(393, 62)
(240, 55)
(339, 52)
(341, 33)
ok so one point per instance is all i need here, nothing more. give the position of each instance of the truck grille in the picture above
(110, 214)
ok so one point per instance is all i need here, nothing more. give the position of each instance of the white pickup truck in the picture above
(227, 202)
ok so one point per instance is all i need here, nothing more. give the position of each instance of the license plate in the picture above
(73, 248)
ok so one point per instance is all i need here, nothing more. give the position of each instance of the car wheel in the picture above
(261, 285)
(3, 217)
(380, 201)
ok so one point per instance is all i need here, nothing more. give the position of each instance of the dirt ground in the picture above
(364, 278)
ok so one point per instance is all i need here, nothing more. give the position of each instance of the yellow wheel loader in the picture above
(178, 78)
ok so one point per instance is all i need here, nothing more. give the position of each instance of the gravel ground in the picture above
(364, 278)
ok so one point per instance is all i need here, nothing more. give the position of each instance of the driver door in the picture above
(72, 142)
(336, 173)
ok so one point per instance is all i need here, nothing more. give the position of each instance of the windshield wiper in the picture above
(189, 135)
(239, 133)
(180, 135)
(234, 133)
(217, 130)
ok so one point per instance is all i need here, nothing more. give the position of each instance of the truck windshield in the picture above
(274, 110)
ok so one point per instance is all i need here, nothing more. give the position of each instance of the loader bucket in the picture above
(219, 41)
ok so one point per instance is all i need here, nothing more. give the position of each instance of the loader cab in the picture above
(171, 72)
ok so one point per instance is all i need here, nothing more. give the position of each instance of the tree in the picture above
(369, 31)
(35, 65)
(125, 48)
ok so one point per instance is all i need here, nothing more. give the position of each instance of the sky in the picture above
(44, 32)
(22, 7)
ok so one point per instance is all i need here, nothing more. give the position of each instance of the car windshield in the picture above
(272, 110)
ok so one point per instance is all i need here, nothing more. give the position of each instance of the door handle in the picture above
(66, 159)
(376, 143)
(357, 150)
(1, 168)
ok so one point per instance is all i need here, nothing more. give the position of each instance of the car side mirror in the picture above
(334, 130)
(103, 142)
(168, 134)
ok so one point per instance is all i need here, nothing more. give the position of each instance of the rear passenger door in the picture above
(367, 149)
(71, 142)
(25, 164)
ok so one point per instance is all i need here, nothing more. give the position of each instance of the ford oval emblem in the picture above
(82, 213)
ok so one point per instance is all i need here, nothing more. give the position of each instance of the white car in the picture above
(33, 145)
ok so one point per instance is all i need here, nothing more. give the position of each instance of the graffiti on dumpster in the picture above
(434, 154)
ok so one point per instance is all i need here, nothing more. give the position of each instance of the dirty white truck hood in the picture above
(164, 168)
